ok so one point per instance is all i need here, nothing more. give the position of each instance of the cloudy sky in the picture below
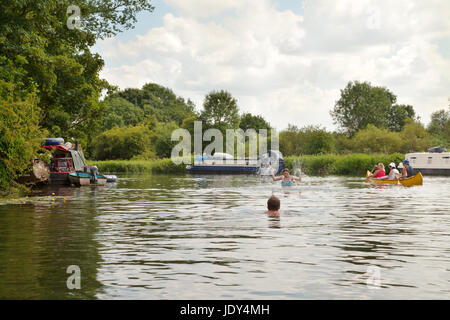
(288, 59)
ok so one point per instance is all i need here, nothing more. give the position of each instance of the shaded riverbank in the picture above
(329, 164)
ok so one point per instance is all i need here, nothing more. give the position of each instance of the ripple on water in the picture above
(207, 237)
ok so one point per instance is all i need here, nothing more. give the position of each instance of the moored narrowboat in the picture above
(435, 162)
(64, 161)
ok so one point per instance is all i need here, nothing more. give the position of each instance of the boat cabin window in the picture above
(413, 160)
(430, 159)
(446, 160)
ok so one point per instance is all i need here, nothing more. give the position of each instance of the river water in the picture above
(207, 237)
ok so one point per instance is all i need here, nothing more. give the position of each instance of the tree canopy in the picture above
(56, 60)
(362, 104)
(439, 127)
(157, 100)
(220, 111)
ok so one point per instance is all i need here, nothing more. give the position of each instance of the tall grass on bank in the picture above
(331, 164)
(139, 166)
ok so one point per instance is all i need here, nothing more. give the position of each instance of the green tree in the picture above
(249, 121)
(123, 143)
(317, 140)
(57, 60)
(20, 135)
(399, 115)
(376, 140)
(414, 137)
(162, 139)
(119, 112)
(439, 127)
(307, 140)
(157, 100)
(362, 104)
(342, 143)
(220, 111)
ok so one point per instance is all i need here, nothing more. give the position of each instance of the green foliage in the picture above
(20, 135)
(123, 143)
(353, 164)
(163, 139)
(399, 115)
(139, 166)
(249, 121)
(155, 100)
(376, 140)
(362, 104)
(414, 137)
(343, 144)
(308, 140)
(439, 128)
(43, 53)
(220, 111)
(119, 113)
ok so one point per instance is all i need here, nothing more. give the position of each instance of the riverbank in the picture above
(139, 166)
(330, 164)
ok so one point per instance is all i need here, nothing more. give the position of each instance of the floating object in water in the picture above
(416, 180)
(111, 178)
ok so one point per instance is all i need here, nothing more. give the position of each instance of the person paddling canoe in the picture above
(379, 171)
(286, 179)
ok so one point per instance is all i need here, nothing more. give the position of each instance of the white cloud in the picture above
(287, 67)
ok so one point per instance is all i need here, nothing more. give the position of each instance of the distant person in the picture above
(407, 171)
(286, 179)
(379, 171)
(394, 174)
(273, 205)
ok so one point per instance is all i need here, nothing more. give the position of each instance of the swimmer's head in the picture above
(273, 204)
(285, 172)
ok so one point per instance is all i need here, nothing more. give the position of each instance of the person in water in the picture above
(273, 205)
(379, 171)
(286, 178)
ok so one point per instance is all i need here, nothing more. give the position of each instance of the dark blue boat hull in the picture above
(222, 170)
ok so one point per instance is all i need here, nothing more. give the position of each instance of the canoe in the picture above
(84, 179)
(416, 180)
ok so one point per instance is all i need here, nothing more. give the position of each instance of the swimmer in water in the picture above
(286, 178)
(273, 205)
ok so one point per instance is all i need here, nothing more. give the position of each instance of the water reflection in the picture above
(40, 239)
(207, 237)
(274, 221)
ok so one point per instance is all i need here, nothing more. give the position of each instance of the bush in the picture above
(353, 164)
(122, 143)
(139, 166)
(376, 140)
(307, 140)
(20, 137)
(414, 137)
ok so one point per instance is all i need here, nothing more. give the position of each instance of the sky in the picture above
(287, 60)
